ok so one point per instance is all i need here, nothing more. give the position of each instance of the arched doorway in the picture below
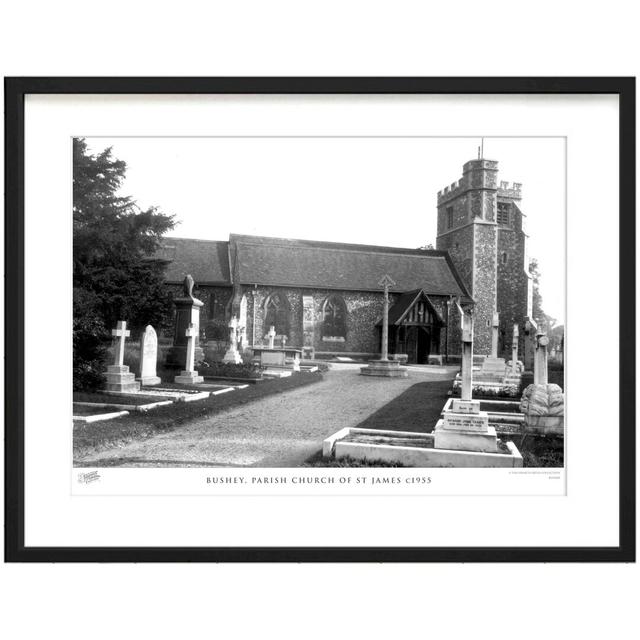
(418, 344)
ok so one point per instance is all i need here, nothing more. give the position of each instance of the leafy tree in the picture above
(116, 275)
(538, 312)
(428, 246)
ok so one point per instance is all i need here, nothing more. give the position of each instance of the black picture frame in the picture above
(15, 91)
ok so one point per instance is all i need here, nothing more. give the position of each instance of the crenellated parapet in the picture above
(508, 190)
(478, 174)
(452, 191)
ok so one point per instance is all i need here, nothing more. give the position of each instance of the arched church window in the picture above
(334, 318)
(277, 314)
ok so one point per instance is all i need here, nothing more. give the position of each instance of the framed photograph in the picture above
(320, 319)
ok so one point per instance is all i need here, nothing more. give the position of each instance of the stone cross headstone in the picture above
(191, 334)
(495, 325)
(242, 323)
(189, 375)
(232, 354)
(284, 341)
(385, 283)
(467, 353)
(464, 427)
(121, 332)
(118, 377)
(530, 330)
(540, 371)
(272, 336)
(514, 349)
(149, 357)
(233, 331)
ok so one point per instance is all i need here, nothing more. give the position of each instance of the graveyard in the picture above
(280, 409)
(296, 353)
(466, 435)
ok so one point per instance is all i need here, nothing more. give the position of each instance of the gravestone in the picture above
(465, 427)
(493, 369)
(308, 327)
(540, 365)
(467, 356)
(272, 336)
(190, 375)
(495, 326)
(232, 354)
(542, 403)
(148, 357)
(242, 324)
(118, 376)
(187, 312)
(530, 331)
(514, 350)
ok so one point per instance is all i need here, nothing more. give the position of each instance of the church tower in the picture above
(480, 224)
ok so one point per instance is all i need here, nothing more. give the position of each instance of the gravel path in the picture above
(276, 431)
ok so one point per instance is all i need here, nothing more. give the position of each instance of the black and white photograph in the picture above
(319, 302)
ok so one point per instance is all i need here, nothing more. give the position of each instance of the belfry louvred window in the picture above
(503, 213)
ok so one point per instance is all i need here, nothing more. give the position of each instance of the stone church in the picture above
(324, 297)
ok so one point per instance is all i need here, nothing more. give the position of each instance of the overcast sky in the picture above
(362, 190)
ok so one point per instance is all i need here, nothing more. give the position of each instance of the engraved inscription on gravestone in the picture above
(467, 422)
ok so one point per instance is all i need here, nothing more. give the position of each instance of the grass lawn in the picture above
(105, 398)
(417, 409)
(175, 386)
(317, 460)
(93, 411)
(97, 435)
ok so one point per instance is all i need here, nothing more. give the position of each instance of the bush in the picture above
(229, 370)
(90, 338)
(216, 330)
(542, 451)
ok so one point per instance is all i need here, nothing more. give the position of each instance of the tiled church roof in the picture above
(308, 263)
(330, 265)
(206, 260)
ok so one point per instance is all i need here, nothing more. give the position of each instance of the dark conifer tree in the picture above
(116, 274)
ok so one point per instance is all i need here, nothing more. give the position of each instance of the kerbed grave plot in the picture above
(504, 415)
(413, 450)
(107, 405)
